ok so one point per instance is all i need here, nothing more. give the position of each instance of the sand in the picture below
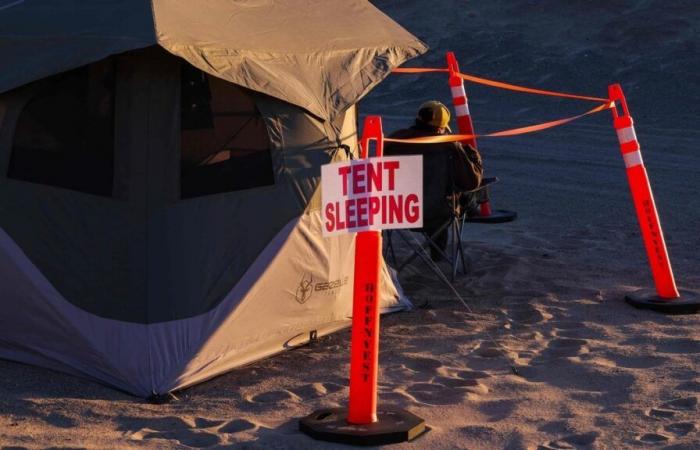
(595, 373)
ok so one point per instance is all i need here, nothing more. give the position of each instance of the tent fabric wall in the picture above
(331, 54)
(298, 284)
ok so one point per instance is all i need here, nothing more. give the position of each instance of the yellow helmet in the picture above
(434, 113)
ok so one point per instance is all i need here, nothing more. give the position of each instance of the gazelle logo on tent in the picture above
(305, 289)
(372, 194)
(331, 286)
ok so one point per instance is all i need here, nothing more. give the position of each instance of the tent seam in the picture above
(364, 69)
(147, 221)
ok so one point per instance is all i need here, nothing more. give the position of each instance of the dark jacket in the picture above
(447, 168)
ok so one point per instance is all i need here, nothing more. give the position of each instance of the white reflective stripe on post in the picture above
(458, 91)
(462, 110)
(625, 135)
(633, 159)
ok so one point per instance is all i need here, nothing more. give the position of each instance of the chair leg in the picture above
(417, 250)
(460, 226)
(465, 259)
(455, 248)
(430, 244)
(434, 267)
(420, 252)
(390, 246)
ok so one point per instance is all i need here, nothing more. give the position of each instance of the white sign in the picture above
(372, 194)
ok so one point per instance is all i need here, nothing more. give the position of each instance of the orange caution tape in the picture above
(512, 132)
(417, 70)
(500, 84)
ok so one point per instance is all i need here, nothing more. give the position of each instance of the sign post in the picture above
(366, 196)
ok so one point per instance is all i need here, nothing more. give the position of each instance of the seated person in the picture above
(448, 168)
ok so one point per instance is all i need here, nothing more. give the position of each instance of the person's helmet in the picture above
(434, 113)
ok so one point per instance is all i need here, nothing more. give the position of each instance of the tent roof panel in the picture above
(321, 55)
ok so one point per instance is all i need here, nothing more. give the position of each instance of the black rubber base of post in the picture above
(688, 303)
(393, 425)
(497, 216)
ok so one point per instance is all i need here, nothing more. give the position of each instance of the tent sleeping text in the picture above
(370, 194)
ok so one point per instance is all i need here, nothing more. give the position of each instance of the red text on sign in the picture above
(370, 211)
(363, 178)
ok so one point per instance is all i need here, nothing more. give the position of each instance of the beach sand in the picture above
(548, 288)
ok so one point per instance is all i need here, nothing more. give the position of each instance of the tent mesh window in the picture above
(223, 139)
(65, 133)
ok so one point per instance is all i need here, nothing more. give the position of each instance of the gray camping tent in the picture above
(159, 173)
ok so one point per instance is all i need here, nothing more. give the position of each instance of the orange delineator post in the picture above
(361, 423)
(460, 100)
(460, 103)
(643, 198)
(364, 346)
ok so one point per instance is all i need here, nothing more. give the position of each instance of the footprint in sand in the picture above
(572, 442)
(422, 364)
(402, 374)
(682, 404)
(468, 384)
(582, 439)
(669, 409)
(498, 409)
(273, 397)
(682, 345)
(564, 347)
(188, 438)
(653, 438)
(480, 433)
(577, 330)
(472, 374)
(435, 394)
(681, 428)
(556, 445)
(569, 325)
(316, 390)
(660, 413)
(201, 422)
(194, 433)
(396, 398)
(488, 352)
(198, 433)
(527, 315)
(237, 426)
(690, 386)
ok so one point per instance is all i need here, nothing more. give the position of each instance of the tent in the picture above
(159, 180)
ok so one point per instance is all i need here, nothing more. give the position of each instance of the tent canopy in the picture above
(145, 245)
(321, 55)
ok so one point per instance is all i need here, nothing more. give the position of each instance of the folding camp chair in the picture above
(458, 215)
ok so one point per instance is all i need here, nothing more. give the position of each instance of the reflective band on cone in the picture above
(627, 134)
(458, 91)
(461, 110)
(633, 159)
